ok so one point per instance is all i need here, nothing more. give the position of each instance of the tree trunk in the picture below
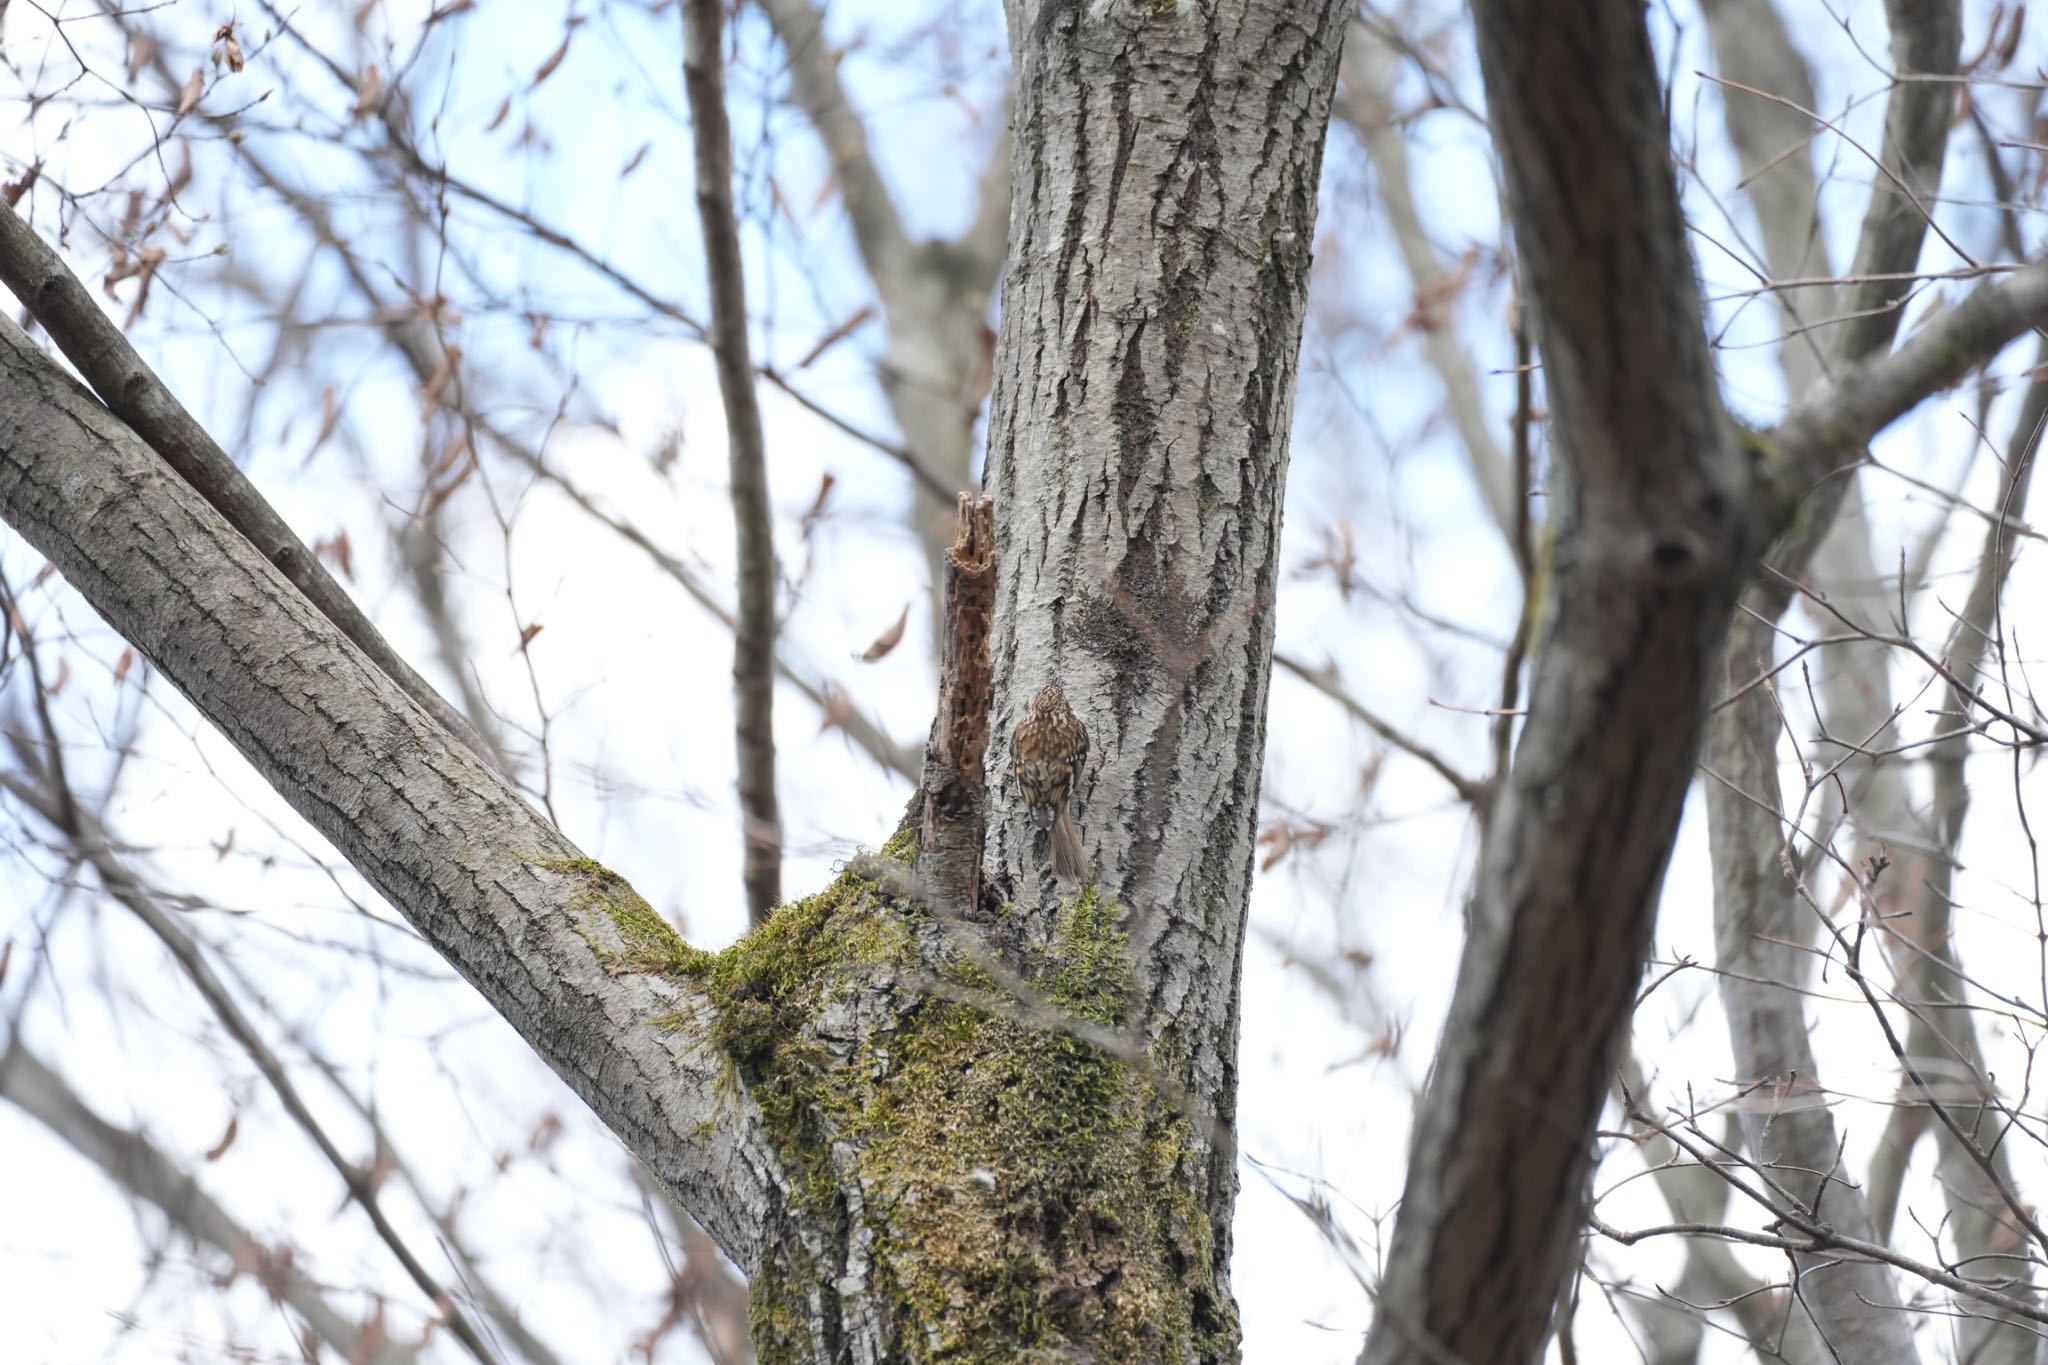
(1054, 1174)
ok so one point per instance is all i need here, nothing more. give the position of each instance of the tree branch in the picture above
(563, 950)
(1364, 104)
(138, 1166)
(814, 74)
(753, 636)
(1644, 581)
(91, 341)
(1829, 431)
(85, 835)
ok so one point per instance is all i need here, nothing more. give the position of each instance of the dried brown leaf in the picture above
(123, 664)
(837, 710)
(430, 392)
(330, 417)
(141, 48)
(336, 550)
(189, 92)
(888, 639)
(1278, 840)
(369, 92)
(227, 50)
(227, 1140)
(547, 68)
(526, 636)
(14, 189)
(499, 117)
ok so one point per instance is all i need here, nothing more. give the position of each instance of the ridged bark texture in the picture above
(1164, 206)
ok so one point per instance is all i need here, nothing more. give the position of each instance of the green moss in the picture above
(1092, 975)
(1024, 1187)
(645, 942)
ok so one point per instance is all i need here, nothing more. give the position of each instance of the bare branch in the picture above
(496, 889)
(1364, 103)
(1473, 792)
(85, 835)
(1828, 432)
(1927, 39)
(137, 1165)
(753, 658)
(814, 72)
(1637, 611)
(91, 341)
(1773, 139)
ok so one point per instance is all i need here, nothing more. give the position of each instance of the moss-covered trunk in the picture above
(1005, 1128)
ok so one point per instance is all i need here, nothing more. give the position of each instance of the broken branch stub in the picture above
(954, 824)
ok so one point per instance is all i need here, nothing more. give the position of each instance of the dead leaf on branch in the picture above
(887, 641)
(330, 415)
(14, 189)
(226, 49)
(369, 92)
(227, 1140)
(837, 710)
(336, 550)
(547, 68)
(430, 392)
(1339, 559)
(189, 92)
(1281, 839)
(142, 266)
(141, 48)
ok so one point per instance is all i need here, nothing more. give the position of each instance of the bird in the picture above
(1046, 755)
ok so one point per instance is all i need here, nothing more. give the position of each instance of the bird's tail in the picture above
(1069, 859)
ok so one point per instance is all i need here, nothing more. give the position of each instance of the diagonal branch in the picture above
(1644, 580)
(563, 949)
(91, 842)
(91, 341)
(1828, 432)
(1364, 103)
(138, 1166)
(814, 74)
